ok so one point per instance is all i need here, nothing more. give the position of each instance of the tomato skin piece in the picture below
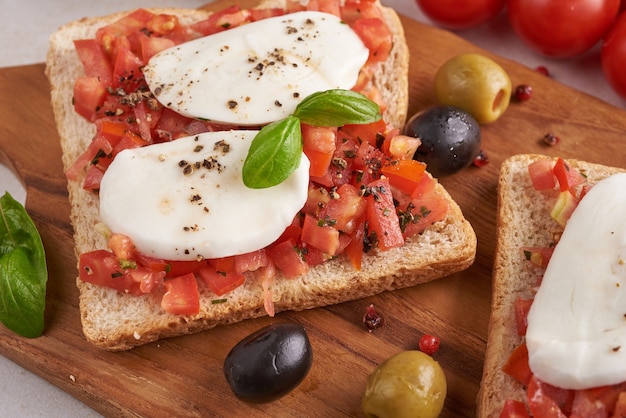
(562, 29)
(613, 55)
(459, 15)
(514, 409)
(181, 295)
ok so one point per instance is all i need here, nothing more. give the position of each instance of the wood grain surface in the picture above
(183, 376)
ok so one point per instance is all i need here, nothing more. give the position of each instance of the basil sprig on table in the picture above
(276, 150)
(23, 271)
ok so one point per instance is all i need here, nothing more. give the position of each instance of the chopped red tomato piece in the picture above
(514, 409)
(522, 306)
(326, 6)
(148, 280)
(102, 268)
(402, 146)
(319, 146)
(122, 246)
(344, 209)
(95, 61)
(89, 94)
(373, 133)
(404, 174)
(376, 36)
(181, 295)
(251, 261)
(567, 176)
(620, 406)
(381, 215)
(545, 400)
(221, 282)
(541, 174)
(319, 235)
(287, 258)
(517, 365)
(93, 177)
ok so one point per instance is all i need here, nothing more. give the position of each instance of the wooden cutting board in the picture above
(183, 376)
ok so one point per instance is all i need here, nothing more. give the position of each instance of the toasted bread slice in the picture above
(523, 221)
(117, 321)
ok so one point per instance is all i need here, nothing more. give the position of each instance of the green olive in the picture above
(408, 384)
(476, 84)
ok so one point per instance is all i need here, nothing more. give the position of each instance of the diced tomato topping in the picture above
(522, 306)
(93, 178)
(514, 409)
(382, 217)
(102, 268)
(376, 36)
(286, 256)
(541, 174)
(319, 235)
(181, 295)
(567, 176)
(545, 400)
(221, 282)
(517, 365)
(344, 209)
(404, 174)
(122, 246)
(620, 405)
(319, 146)
(251, 261)
(326, 6)
(89, 94)
(94, 59)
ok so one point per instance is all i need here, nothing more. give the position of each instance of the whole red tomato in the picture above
(562, 28)
(614, 56)
(460, 14)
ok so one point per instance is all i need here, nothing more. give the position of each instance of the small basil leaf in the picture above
(23, 271)
(274, 154)
(337, 108)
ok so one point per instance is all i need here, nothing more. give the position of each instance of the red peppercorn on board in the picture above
(183, 376)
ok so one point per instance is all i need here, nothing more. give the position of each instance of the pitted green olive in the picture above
(408, 384)
(476, 84)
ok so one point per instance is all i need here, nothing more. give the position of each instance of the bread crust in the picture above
(116, 321)
(523, 220)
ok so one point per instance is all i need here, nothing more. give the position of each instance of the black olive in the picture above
(269, 363)
(451, 139)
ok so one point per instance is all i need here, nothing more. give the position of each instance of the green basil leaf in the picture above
(337, 108)
(274, 154)
(23, 271)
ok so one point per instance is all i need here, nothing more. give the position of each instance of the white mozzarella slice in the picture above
(185, 199)
(257, 73)
(576, 333)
